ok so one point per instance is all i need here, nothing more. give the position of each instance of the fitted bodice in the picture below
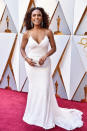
(35, 50)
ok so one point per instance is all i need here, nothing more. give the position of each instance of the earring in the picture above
(42, 24)
(32, 25)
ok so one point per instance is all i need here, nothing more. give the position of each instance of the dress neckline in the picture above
(41, 40)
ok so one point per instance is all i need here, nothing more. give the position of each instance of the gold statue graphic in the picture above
(7, 21)
(85, 91)
(8, 80)
(58, 32)
(56, 84)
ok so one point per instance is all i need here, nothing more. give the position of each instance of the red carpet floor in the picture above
(12, 106)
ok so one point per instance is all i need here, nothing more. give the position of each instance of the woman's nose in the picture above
(36, 16)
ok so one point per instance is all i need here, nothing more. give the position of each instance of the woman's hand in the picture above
(31, 62)
(42, 60)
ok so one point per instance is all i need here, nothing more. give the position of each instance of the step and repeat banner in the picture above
(68, 21)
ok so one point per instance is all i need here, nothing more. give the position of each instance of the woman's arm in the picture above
(22, 49)
(23, 45)
(52, 43)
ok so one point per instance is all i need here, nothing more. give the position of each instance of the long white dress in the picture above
(42, 108)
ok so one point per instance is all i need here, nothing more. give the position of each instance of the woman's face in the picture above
(36, 17)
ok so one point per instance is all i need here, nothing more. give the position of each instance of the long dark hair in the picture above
(27, 19)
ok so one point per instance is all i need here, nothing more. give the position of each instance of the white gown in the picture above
(42, 108)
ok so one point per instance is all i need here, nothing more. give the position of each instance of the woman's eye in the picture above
(33, 15)
(39, 14)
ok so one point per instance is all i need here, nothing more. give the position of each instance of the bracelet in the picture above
(25, 57)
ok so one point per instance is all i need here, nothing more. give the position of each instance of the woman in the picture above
(42, 108)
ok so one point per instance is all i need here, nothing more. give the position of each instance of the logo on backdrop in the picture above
(83, 42)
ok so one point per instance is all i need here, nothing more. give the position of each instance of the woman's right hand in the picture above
(30, 61)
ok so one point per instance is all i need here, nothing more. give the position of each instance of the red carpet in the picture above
(12, 106)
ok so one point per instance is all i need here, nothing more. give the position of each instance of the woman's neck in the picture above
(37, 27)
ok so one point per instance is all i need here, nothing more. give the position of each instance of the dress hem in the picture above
(39, 124)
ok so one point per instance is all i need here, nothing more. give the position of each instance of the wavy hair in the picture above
(45, 17)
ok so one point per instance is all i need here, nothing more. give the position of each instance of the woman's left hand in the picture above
(42, 59)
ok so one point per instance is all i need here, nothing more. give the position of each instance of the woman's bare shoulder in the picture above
(26, 34)
(49, 32)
